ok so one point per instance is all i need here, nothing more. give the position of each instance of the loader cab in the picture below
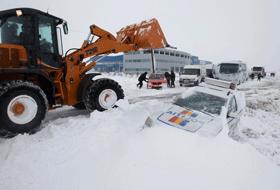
(37, 31)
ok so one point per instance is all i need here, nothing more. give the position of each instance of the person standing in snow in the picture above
(168, 77)
(142, 77)
(259, 77)
(252, 76)
(172, 79)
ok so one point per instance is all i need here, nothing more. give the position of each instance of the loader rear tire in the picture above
(80, 106)
(103, 94)
(23, 106)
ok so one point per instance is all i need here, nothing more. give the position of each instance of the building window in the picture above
(137, 60)
(155, 51)
(147, 51)
(166, 53)
(137, 69)
(162, 52)
(171, 54)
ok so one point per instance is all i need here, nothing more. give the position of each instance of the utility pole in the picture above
(153, 60)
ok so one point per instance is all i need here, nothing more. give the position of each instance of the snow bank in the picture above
(260, 124)
(113, 150)
(70, 153)
(165, 158)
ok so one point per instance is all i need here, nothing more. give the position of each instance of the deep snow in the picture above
(260, 125)
(116, 150)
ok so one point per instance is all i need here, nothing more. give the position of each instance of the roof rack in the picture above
(220, 83)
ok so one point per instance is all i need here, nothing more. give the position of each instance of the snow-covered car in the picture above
(206, 108)
(156, 80)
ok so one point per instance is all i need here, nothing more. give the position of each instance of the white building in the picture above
(165, 60)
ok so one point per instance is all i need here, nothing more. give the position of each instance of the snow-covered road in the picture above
(114, 149)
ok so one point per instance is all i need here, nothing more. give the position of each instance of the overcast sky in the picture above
(215, 30)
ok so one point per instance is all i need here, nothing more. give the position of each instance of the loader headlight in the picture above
(18, 12)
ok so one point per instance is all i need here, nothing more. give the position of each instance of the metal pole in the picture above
(153, 60)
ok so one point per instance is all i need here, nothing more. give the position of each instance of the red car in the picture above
(156, 80)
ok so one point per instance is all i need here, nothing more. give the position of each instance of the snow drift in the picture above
(114, 150)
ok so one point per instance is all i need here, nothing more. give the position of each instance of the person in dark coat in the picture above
(142, 77)
(252, 76)
(168, 78)
(259, 77)
(172, 79)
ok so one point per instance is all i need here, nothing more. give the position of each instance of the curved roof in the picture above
(30, 11)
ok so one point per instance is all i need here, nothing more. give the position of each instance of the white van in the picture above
(233, 71)
(258, 70)
(193, 74)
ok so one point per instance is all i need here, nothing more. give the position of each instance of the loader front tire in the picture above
(103, 94)
(80, 106)
(23, 106)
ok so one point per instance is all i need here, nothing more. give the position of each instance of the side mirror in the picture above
(232, 115)
(65, 27)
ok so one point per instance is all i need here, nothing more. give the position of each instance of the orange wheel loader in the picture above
(35, 76)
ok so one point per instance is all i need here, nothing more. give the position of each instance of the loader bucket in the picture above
(145, 35)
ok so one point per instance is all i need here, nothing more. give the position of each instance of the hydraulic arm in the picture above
(146, 35)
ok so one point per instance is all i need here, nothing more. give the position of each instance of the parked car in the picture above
(156, 80)
(206, 108)
(232, 71)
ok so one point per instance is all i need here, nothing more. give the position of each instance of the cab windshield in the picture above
(191, 72)
(229, 68)
(156, 76)
(14, 28)
(202, 102)
(257, 68)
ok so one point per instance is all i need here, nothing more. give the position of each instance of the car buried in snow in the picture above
(156, 80)
(206, 108)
